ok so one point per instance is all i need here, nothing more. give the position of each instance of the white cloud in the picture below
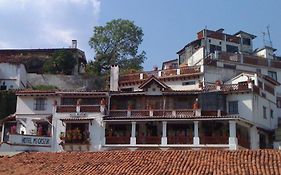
(47, 23)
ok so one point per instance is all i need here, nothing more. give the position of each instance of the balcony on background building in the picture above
(83, 108)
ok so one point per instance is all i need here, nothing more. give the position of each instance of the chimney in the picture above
(114, 77)
(74, 44)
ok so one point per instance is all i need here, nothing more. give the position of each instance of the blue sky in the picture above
(167, 25)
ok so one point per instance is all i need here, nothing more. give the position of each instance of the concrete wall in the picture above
(65, 82)
(196, 57)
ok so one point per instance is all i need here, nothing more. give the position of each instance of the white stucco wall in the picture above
(13, 75)
(244, 104)
(25, 104)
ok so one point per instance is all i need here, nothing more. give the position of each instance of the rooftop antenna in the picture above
(268, 33)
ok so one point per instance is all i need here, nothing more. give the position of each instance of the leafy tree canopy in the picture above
(117, 43)
(61, 62)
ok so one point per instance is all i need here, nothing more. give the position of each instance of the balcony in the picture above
(83, 108)
(158, 73)
(152, 113)
(246, 59)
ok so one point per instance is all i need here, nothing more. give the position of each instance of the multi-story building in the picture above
(222, 94)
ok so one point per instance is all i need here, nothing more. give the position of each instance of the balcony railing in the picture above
(180, 139)
(83, 108)
(117, 140)
(214, 139)
(151, 113)
(159, 73)
(149, 140)
(249, 59)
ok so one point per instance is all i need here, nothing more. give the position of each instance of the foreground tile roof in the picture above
(145, 162)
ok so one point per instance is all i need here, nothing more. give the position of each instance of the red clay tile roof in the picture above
(145, 162)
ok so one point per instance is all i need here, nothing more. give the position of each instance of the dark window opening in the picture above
(264, 112)
(247, 41)
(232, 49)
(214, 48)
(233, 107)
(43, 129)
(188, 83)
(229, 66)
(127, 89)
(273, 75)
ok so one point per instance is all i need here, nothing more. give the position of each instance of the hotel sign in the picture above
(30, 140)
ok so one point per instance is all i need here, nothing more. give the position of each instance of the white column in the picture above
(254, 137)
(133, 140)
(3, 130)
(196, 139)
(164, 133)
(232, 135)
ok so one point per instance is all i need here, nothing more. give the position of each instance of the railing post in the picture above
(178, 71)
(232, 135)
(141, 76)
(54, 106)
(174, 113)
(150, 113)
(78, 105)
(164, 133)
(129, 113)
(133, 139)
(196, 139)
(159, 73)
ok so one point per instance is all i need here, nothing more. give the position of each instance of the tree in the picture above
(61, 62)
(117, 43)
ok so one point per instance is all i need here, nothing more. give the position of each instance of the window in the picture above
(278, 102)
(273, 75)
(271, 113)
(232, 49)
(40, 104)
(3, 86)
(233, 107)
(258, 70)
(127, 89)
(229, 66)
(264, 112)
(214, 48)
(188, 83)
(247, 41)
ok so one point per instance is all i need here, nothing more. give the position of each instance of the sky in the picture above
(168, 25)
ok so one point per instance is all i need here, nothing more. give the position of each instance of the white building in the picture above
(222, 95)
(45, 119)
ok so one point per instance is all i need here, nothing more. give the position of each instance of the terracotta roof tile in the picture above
(145, 162)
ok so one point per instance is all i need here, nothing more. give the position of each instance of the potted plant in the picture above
(69, 135)
(62, 136)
